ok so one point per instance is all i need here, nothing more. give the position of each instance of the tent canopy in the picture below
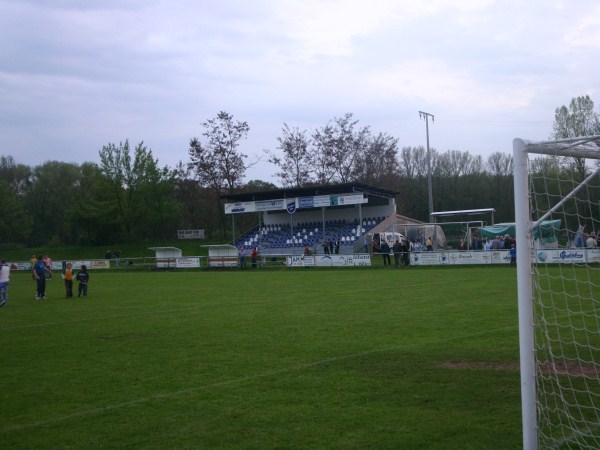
(546, 231)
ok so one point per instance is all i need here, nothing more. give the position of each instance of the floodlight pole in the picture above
(426, 115)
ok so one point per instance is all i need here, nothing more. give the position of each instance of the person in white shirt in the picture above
(591, 242)
(4, 280)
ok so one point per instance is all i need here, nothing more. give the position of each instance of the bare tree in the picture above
(337, 148)
(218, 163)
(297, 165)
(500, 164)
(378, 164)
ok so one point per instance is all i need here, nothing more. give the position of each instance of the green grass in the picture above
(333, 358)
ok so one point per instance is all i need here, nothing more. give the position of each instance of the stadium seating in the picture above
(277, 238)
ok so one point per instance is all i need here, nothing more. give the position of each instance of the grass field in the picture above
(424, 358)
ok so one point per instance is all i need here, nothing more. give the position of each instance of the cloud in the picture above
(433, 82)
(76, 75)
(585, 33)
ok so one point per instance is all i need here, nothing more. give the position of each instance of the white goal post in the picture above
(557, 218)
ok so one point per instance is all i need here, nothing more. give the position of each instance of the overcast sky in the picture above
(76, 75)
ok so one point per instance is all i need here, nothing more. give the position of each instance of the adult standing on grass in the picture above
(39, 273)
(4, 280)
(253, 257)
(385, 251)
(83, 277)
(397, 249)
(242, 254)
(406, 252)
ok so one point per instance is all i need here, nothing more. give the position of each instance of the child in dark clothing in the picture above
(83, 278)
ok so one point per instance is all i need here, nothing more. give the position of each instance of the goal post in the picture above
(557, 224)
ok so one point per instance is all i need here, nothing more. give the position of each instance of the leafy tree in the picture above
(258, 186)
(296, 165)
(15, 223)
(193, 200)
(577, 120)
(161, 212)
(17, 176)
(91, 209)
(127, 177)
(47, 201)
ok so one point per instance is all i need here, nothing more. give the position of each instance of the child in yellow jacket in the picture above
(68, 277)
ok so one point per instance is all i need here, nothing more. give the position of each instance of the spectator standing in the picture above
(39, 273)
(326, 247)
(4, 281)
(337, 246)
(406, 252)
(397, 250)
(68, 277)
(83, 278)
(417, 246)
(513, 255)
(117, 257)
(254, 256)
(579, 239)
(108, 255)
(487, 246)
(330, 247)
(429, 244)
(385, 251)
(496, 244)
(242, 254)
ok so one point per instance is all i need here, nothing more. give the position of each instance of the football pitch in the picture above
(418, 358)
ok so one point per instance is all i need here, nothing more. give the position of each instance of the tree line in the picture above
(128, 197)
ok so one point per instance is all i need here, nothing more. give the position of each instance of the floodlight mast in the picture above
(426, 115)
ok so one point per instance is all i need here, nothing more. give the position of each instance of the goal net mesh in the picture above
(564, 204)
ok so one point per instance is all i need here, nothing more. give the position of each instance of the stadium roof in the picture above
(326, 189)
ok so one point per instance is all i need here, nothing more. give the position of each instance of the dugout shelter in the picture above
(166, 257)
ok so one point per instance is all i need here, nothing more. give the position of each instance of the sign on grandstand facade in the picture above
(190, 234)
(317, 201)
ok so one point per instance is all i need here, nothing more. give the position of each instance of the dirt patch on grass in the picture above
(559, 368)
(480, 365)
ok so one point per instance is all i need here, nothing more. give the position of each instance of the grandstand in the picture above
(290, 218)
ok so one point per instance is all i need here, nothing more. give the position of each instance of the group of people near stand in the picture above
(401, 251)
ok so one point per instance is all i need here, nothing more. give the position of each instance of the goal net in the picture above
(557, 212)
